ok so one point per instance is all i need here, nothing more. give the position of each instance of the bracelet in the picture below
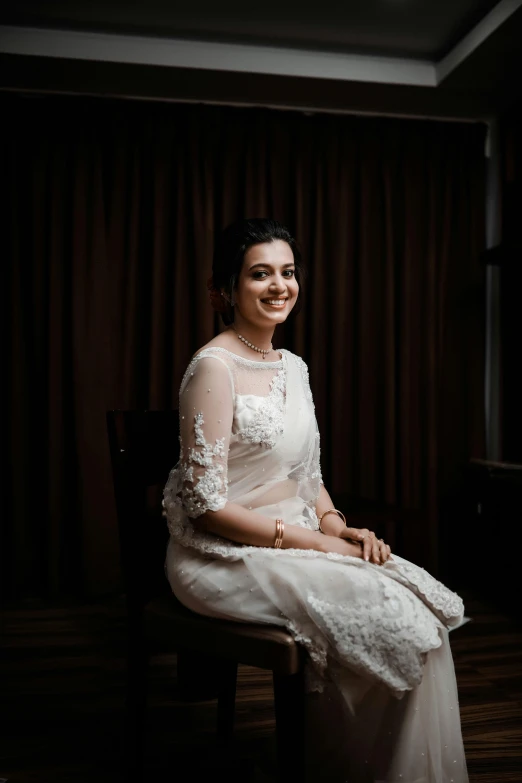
(280, 529)
(331, 511)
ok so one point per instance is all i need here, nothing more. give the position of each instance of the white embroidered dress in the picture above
(376, 635)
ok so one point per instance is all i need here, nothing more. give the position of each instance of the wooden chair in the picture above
(144, 447)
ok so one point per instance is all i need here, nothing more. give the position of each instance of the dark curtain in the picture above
(511, 283)
(111, 212)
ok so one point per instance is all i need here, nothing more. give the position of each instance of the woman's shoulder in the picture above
(209, 350)
(296, 358)
(227, 350)
(219, 346)
(215, 343)
(212, 358)
(208, 365)
(301, 366)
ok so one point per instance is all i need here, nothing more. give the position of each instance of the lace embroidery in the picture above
(200, 490)
(385, 640)
(316, 664)
(383, 636)
(303, 368)
(305, 376)
(268, 422)
(435, 594)
(205, 457)
(398, 610)
(217, 350)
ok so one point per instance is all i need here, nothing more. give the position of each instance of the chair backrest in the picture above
(144, 447)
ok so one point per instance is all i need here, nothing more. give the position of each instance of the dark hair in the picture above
(230, 249)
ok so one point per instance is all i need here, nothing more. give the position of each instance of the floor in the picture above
(63, 687)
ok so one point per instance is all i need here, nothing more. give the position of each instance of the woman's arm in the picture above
(248, 527)
(332, 524)
(206, 417)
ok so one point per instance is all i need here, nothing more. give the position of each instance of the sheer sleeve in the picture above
(206, 412)
(314, 469)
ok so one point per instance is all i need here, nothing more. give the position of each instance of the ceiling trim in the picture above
(467, 45)
(180, 53)
(234, 57)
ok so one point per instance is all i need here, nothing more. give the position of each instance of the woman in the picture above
(255, 537)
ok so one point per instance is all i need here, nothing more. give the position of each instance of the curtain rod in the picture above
(307, 110)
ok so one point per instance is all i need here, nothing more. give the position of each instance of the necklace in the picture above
(254, 347)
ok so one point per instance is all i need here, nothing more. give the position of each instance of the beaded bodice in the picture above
(247, 434)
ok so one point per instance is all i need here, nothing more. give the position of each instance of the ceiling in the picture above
(458, 57)
(400, 28)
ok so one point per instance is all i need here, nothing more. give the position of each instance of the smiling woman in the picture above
(255, 537)
(272, 261)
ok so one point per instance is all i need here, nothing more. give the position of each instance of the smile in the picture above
(278, 303)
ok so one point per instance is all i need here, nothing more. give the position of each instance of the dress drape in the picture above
(381, 681)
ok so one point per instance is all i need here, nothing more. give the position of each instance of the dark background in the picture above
(115, 176)
(111, 206)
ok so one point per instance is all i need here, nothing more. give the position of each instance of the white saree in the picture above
(381, 677)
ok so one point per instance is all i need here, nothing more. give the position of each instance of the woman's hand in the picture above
(340, 546)
(368, 546)
(372, 548)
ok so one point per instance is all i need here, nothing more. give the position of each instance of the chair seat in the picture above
(265, 646)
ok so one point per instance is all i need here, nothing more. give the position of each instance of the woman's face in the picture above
(267, 289)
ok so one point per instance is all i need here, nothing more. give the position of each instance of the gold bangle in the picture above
(280, 530)
(331, 511)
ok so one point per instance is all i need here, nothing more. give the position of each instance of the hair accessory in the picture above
(331, 511)
(280, 530)
(217, 300)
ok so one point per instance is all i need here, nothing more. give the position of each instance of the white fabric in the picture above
(376, 635)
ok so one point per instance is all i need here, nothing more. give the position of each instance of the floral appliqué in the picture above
(267, 424)
(305, 377)
(303, 369)
(446, 603)
(198, 483)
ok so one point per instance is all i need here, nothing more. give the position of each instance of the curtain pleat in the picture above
(111, 217)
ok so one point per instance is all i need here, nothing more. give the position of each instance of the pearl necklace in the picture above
(254, 347)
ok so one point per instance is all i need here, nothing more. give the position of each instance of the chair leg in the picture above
(198, 675)
(136, 704)
(226, 700)
(289, 702)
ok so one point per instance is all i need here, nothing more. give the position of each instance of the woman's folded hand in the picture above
(340, 546)
(373, 549)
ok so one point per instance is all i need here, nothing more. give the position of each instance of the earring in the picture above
(228, 299)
